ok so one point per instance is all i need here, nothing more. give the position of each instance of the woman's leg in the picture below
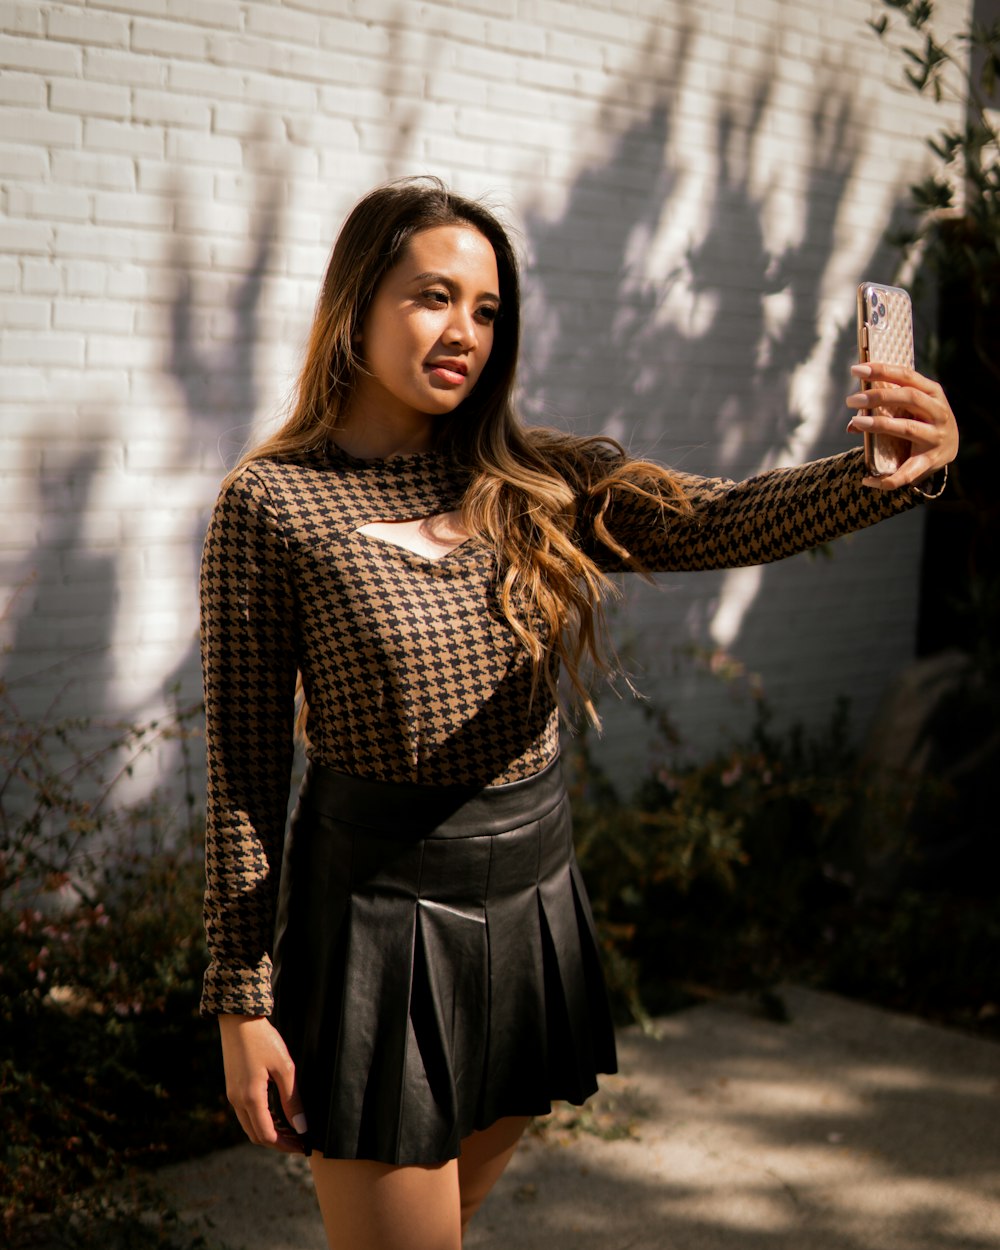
(484, 1156)
(376, 1206)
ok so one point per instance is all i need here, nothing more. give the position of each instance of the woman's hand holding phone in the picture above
(913, 408)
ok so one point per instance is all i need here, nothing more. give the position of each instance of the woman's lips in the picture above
(447, 374)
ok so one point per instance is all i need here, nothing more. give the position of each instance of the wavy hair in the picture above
(532, 491)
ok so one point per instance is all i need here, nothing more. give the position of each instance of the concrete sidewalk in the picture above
(848, 1129)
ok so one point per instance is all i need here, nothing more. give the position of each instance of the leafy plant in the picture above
(965, 70)
(954, 233)
(768, 862)
(104, 1062)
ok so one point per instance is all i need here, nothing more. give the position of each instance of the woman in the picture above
(424, 566)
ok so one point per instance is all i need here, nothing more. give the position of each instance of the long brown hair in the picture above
(530, 490)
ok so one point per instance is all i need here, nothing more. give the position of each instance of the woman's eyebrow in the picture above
(451, 284)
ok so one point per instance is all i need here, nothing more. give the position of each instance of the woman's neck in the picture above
(373, 433)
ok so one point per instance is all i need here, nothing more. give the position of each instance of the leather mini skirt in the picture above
(435, 963)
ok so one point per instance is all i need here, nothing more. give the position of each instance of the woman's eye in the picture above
(486, 313)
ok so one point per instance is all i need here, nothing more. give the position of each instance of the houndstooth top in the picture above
(410, 670)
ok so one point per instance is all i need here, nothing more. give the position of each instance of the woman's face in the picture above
(429, 330)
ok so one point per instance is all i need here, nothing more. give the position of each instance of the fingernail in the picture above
(862, 422)
(861, 371)
(299, 1123)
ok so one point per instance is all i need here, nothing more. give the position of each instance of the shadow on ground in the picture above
(848, 1129)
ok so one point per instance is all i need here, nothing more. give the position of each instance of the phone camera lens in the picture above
(881, 310)
(874, 318)
(874, 299)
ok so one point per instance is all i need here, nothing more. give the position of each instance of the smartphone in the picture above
(885, 334)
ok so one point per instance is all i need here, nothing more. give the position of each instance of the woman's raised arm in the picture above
(787, 510)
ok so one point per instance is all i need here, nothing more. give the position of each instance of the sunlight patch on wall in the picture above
(739, 590)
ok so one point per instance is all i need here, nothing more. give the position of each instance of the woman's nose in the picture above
(461, 327)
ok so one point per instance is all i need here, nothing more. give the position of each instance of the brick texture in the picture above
(697, 189)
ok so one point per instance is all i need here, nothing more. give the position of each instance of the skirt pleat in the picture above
(434, 971)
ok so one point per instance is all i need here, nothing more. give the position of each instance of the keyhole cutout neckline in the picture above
(432, 538)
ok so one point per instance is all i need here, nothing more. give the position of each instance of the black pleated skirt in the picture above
(435, 963)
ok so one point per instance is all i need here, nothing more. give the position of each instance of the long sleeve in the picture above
(249, 666)
(732, 524)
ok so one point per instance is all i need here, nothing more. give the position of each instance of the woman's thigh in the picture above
(484, 1156)
(379, 1206)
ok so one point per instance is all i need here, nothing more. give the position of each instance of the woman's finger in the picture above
(898, 375)
(895, 396)
(902, 398)
(288, 1092)
(911, 472)
(912, 431)
(250, 1104)
(257, 1122)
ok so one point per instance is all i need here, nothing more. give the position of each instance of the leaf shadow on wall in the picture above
(79, 579)
(218, 378)
(404, 108)
(65, 601)
(702, 364)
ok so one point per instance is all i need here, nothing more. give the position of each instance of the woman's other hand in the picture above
(254, 1054)
(918, 411)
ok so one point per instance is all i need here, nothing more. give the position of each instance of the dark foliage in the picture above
(785, 858)
(105, 1066)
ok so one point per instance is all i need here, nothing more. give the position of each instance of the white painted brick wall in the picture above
(697, 189)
